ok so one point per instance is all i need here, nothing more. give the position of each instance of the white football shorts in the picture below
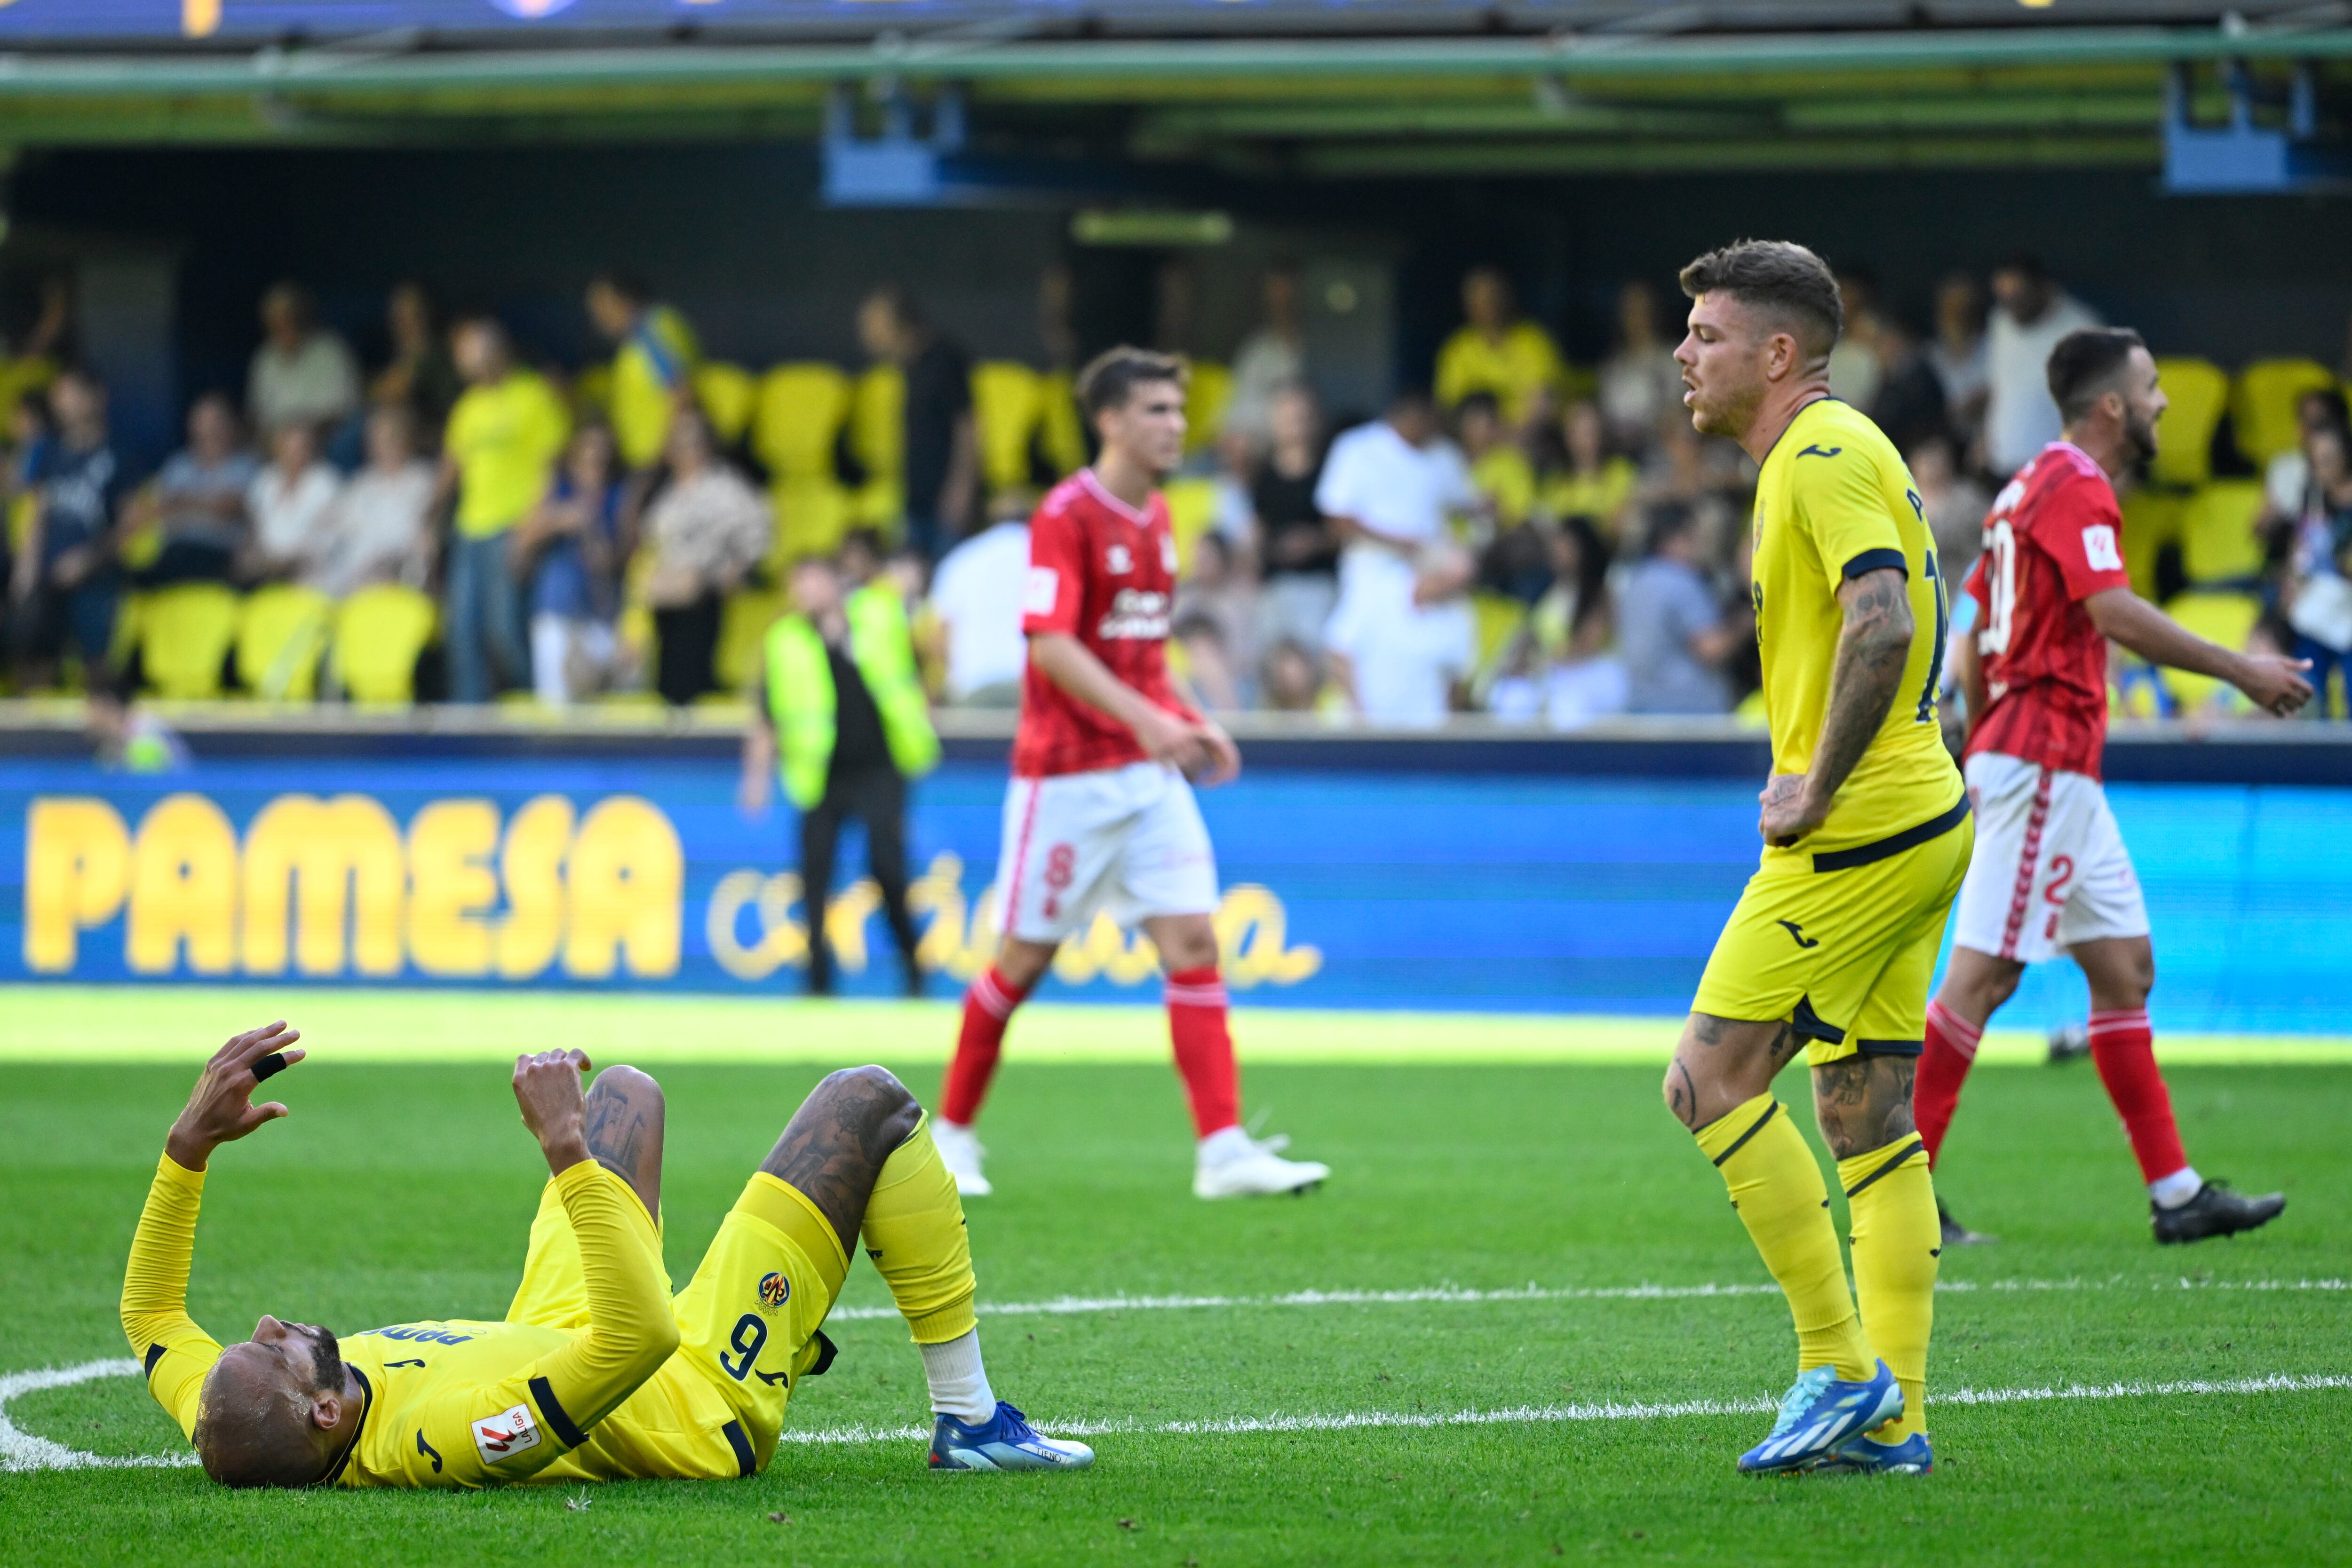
(2050, 869)
(1126, 840)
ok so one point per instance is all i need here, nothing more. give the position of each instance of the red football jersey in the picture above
(2053, 538)
(1105, 573)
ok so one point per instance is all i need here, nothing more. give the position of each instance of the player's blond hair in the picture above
(1778, 276)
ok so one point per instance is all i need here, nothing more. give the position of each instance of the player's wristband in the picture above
(269, 1067)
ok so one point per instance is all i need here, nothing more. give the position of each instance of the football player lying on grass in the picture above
(596, 1373)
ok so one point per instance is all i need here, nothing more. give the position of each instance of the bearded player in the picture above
(2050, 869)
(1866, 831)
(1100, 816)
(596, 1373)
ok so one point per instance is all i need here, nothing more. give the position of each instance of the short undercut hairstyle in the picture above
(2085, 365)
(1778, 276)
(1111, 377)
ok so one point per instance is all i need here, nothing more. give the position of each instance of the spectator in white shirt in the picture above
(289, 504)
(379, 529)
(302, 372)
(2032, 314)
(1271, 358)
(1641, 380)
(1958, 354)
(1401, 638)
(976, 598)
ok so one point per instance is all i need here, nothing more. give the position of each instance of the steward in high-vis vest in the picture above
(840, 716)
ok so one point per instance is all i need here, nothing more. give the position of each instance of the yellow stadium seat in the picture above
(743, 622)
(801, 410)
(2199, 393)
(184, 634)
(2217, 532)
(279, 641)
(1497, 617)
(1006, 403)
(1060, 429)
(2152, 519)
(2261, 409)
(877, 438)
(2223, 618)
(379, 632)
(592, 391)
(812, 515)
(1208, 388)
(1191, 512)
(728, 395)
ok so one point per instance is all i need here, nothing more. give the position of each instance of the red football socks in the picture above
(2125, 1052)
(1204, 1048)
(987, 1008)
(1944, 1062)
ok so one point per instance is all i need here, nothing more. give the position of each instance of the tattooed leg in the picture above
(625, 1131)
(1863, 1103)
(1723, 1062)
(838, 1139)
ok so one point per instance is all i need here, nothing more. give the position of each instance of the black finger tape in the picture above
(269, 1067)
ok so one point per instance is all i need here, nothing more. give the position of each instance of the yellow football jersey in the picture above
(1834, 500)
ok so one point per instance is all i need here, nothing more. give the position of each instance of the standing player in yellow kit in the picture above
(595, 1372)
(1866, 836)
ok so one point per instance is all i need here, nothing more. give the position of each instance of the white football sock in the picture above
(2172, 1191)
(959, 1383)
(1225, 1143)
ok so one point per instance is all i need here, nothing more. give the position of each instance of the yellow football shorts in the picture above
(1843, 944)
(747, 1331)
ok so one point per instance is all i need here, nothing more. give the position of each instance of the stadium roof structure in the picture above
(1314, 89)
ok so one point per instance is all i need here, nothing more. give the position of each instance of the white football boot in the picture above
(1232, 1164)
(961, 1154)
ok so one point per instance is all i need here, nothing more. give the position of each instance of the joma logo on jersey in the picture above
(502, 1436)
(1136, 612)
(774, 1290)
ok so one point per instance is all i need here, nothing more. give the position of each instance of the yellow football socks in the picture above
(1778, 1190)
(914, 1232)
(1897, 1239)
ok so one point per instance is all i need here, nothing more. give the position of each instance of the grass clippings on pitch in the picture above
(1446, 1355)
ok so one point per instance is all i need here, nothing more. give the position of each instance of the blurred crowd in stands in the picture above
(1544, 541)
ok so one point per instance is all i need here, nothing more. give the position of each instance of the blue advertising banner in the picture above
(1342, 888)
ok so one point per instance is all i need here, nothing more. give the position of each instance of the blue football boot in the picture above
(1865, 1455)
(1820, 1415)
(1005, 1441)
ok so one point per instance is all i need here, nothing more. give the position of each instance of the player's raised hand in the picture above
(547, 1087)
(221, 1109)
(2275, 684)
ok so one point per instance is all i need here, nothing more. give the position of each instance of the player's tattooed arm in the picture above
(1863, 1103)
(1872, 650)
(624, 1126)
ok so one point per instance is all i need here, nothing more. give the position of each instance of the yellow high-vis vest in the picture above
(803, 704)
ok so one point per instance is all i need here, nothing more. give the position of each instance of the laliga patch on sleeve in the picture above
(505, 1435)
(2099, 548)
(1044, 587)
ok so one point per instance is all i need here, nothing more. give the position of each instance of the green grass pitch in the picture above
(403, 1190)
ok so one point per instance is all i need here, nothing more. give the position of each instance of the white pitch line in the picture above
(23, 1451)
(1065, 1306)
(1533, 1414)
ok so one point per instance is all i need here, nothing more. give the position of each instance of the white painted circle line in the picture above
(22, 1450)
